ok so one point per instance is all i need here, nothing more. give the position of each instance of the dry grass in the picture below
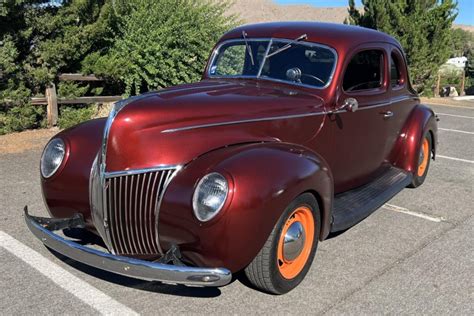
(15, 143)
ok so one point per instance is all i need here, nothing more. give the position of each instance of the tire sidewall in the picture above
(281, 284)
(418, 180)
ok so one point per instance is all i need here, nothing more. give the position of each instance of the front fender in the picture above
(264, 179)
(67, 192)
(422, 120)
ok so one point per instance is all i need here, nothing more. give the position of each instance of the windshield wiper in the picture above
(248, 48)
(288, 45)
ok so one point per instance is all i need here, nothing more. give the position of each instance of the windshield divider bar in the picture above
(264, 58)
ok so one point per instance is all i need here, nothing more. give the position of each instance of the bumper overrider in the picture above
(43, 229)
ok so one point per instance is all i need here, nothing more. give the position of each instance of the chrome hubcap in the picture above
(294, 241)
(421, 158)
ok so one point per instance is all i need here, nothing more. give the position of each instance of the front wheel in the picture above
(287, 255)
(424, 159)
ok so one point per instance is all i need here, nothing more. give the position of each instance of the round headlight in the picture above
(210, 195)
(52, 158)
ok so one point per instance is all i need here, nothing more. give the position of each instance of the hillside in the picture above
(255, 11)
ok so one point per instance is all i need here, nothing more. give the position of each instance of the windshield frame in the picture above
(270, 40)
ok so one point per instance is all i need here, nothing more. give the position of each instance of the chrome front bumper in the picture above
(43, 229)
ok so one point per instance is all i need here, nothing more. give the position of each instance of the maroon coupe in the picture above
(296, 130)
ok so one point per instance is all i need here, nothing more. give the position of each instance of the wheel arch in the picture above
(267, 177)
(324, 210)
(422, 120)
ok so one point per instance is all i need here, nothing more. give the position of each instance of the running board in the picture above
(353, 206)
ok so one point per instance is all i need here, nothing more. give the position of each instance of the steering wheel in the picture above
(313, 77)
(294, 74)
(362, 84)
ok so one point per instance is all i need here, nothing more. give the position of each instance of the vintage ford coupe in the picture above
(296, 130)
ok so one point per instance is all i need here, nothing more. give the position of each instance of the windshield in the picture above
(275, 59)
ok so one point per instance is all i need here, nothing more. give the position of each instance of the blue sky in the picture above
(465, 16)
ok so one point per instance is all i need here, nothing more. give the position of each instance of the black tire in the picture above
(419, 179)
(263, 272)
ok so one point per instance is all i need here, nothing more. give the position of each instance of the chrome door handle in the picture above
(387, 114)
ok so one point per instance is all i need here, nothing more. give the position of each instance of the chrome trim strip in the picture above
(150, 209)
(392, 101)
(116, 210)
(158, 204)
(270, 40)
(116, 240)
(145, 210)
(117, 107)
(185, 128)
(271, 118)
(140, 269)
(136, 217)
(114, 174)
(140, 213)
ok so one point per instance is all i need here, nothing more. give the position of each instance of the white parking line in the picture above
(453, 158)
(455, 130)
(454, 115)
(417, 214)
(88, 294)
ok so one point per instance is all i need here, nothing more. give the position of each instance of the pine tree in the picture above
(423, 28)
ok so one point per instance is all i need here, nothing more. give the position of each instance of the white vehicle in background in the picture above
(459, 62)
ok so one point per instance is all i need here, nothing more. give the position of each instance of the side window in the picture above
(395, 71)
(365, 71)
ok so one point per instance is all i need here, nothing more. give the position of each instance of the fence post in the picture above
(438, 82)
(463, 79)
(52, 109)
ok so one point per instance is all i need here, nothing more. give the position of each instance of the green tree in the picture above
(462, 43)
(423, 28)
(160, 43)
(469, 84)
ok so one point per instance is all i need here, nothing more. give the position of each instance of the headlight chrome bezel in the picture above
(195, 202)
(47, 150)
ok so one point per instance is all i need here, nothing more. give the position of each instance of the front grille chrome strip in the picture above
(132, 208)
(125, 211)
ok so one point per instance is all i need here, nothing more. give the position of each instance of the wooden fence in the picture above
(51, 99)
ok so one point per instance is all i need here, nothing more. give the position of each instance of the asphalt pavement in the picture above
(415, 255)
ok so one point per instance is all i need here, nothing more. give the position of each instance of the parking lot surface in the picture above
(414, 255)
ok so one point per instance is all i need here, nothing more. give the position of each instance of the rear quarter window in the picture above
(365, 71)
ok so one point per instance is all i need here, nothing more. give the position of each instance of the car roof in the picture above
(339, 36)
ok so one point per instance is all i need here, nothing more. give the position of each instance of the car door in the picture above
(403, 99)
(360, 136)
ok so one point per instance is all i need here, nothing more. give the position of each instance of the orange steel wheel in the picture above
(424, 156)
(291, 267)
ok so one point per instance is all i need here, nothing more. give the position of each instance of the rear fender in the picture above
(422, 120)
(264, 178)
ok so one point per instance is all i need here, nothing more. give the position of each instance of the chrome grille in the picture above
(131, 201)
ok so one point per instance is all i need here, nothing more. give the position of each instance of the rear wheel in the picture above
(424, 159)
(287, 255)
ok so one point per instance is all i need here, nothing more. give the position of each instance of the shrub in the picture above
(20, 117)
(160, 43)
(68, 89)
(70, 116)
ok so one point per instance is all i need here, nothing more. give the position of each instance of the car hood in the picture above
(176, 125)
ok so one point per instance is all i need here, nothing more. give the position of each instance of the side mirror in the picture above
(350, 105)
